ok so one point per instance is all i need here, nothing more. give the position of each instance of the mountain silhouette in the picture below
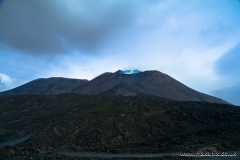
(143, 83)
(152, 83)
(46, 86)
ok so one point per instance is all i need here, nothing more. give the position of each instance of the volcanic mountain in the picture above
(46, 86)
(143, 83)
(120, 82)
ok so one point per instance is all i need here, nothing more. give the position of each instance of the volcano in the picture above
(120, 112)
(143, 83)
(125, 83)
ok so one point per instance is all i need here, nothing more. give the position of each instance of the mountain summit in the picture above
(135, 71)
(126, 83)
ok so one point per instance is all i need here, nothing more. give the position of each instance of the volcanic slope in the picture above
(114, 124)
(152, 83)
(46, 86)
(143, 83)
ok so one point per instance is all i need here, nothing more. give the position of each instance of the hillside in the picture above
(46, 86)
(152, 83)
(143, 83)
(101, 123)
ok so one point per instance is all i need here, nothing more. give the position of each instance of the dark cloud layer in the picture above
(58, 26)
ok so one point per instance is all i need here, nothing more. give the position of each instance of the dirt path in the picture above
(15, 141)
(111, 155)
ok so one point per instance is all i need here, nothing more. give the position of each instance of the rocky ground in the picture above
(114, 124)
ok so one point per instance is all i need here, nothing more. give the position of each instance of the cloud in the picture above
(230, 94)
(58, 26)
(6, 82)
(130, 71)
(228, 64)
(2, 85)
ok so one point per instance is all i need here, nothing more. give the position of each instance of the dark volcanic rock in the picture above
(117, 124)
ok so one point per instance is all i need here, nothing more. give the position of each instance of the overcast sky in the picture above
(196, 42)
